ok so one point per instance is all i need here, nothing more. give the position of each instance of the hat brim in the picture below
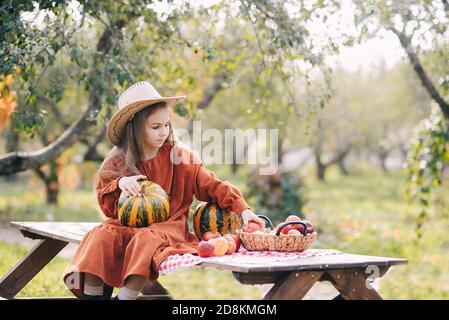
(121, 117)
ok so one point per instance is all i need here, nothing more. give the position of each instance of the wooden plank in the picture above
(351, 283)
(257, 277)
(293, 285)
(47, 298)
(337, 261)
(72, 232)
(30, 265)
(154, 288)
(141, 297)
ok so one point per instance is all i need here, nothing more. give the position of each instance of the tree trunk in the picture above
(342, 167)
(321, 171)
(280, 151)
(320, 166)
(12, 143)
(51, 181)
(52, 189)
(234, 165)
(383, 155)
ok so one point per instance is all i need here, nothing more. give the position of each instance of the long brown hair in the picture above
(125, 153)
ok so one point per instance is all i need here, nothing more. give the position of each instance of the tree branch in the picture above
(212, 91)
(20, 161)
(92, 153)
(41, 174)
(54, 109)
(446, 6)
(209, 95)
(425, 80)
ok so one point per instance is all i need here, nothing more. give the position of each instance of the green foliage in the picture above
(32, 48)
(429, 152)
(278, 195)
(37, 37)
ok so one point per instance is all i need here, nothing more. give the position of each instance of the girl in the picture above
(112, 255)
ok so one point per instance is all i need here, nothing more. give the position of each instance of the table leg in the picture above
(30, 265)
(153, 290)
(293, 285)
(352, 283)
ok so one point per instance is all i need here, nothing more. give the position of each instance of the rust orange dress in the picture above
(113, 252)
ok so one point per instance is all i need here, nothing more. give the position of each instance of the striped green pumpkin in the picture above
(209, 216)
(141, 211)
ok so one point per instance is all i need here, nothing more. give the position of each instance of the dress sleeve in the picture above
(107, 188)
(209, 187)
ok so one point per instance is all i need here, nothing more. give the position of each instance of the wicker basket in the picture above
(271, 241)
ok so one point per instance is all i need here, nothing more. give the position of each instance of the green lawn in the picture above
(363, 213)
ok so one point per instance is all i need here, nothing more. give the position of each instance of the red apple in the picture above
(237, 240)
(286, 229)
(310, 227)
(252, 226)
(231, 244)
(298, 227)
(210, 235)
(292, 218)
(221, 246)
(293, 232)
(206, 249)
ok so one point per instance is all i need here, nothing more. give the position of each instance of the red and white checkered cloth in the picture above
(178, 261)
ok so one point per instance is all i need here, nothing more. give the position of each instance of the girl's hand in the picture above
(248, 215)
(130, 186)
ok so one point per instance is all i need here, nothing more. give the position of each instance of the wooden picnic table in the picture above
(292, 279)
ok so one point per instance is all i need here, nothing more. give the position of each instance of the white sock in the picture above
(92, 290)
(127, 294)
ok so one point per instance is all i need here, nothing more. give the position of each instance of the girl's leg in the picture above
(93, 286)
(133, 285)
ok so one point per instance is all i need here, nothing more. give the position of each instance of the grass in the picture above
(363, 213)
(47, 283)
(367, 213)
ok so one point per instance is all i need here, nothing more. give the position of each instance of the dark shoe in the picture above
(107, 292)
(89, 297)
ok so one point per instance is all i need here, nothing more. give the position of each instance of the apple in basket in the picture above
(292, 218)
(286, 230)
(252, 226)
(206, 249)
(294, 232)
(231, 244)
(210, 235)
(310, 227)
(221, 246)
(237, 240)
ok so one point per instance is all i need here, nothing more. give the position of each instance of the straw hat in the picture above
(137, 97)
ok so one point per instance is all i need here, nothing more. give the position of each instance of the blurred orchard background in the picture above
(358, 91)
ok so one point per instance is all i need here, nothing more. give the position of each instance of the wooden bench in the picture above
(292, 279)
